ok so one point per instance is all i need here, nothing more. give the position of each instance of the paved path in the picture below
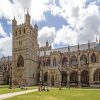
(8, 95)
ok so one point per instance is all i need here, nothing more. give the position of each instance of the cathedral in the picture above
(77, 65)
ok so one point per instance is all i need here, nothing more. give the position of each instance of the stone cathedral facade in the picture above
(77, 65)
(71, 66)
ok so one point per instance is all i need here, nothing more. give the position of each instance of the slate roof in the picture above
(65, 49)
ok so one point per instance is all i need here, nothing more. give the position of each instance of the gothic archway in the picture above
(38, 77)
(73, 60)
(52, 79)
(54, 62)
(20, 61)
(74, 77)
(64, 61)
(39, 64)
(48, 62)
(96, 76)
(83, 59)
(93, 58)
(45, 77)
(84, 78)
(64, 78)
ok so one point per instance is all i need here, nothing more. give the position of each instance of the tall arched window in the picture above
(74, 77)
(93, 58)
(48, 62)
(20, 61)
(45, 77)
(20, 32)
(73, 60)
(43, 63)
(64, 78)
(39, 63)
(97, 76)
(24, 30)
(54, 62)
(83, 59)
(64, 61)
(84, 77)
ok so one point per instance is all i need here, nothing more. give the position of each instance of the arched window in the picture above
(20, 61)
(97, 76)
(16, 33)
(52, 79)
(20, 32)
(74, 77)
(0, 69)
(93, 58)
(73, 60)
(38, 78)
(54, 62)
(45, 77)
(64, 78)
(43, 63)
(48, 62)
(85, 77)
(83, 59)
(39, 63)
(64, 61)
(24, 30)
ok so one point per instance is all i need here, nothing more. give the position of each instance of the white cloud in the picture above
(38, 7)
(19, 7)
(83, 23)
(66, 36)
(5, 43)
(45, 34)
(6, 46)
(2, 32)
(8, 10)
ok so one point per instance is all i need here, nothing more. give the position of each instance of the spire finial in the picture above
(27, 10)
(47, 44)
(68, 48)
(88, 44)
(78, 46)
(14, 22)
(96, 40)
(14, 18)
(35, 24)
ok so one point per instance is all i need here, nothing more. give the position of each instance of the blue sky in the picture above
(6, 26)
(61, 22)
(52, 21)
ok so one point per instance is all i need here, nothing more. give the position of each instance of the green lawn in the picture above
(64, 94)
(5, 89)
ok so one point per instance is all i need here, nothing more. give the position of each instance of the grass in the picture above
(5, 89)
(64, 94)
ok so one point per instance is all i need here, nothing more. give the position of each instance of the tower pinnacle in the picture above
(27, 18)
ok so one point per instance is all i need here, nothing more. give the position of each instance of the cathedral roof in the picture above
(72, 48)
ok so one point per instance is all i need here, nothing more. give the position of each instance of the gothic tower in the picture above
(24, 52)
